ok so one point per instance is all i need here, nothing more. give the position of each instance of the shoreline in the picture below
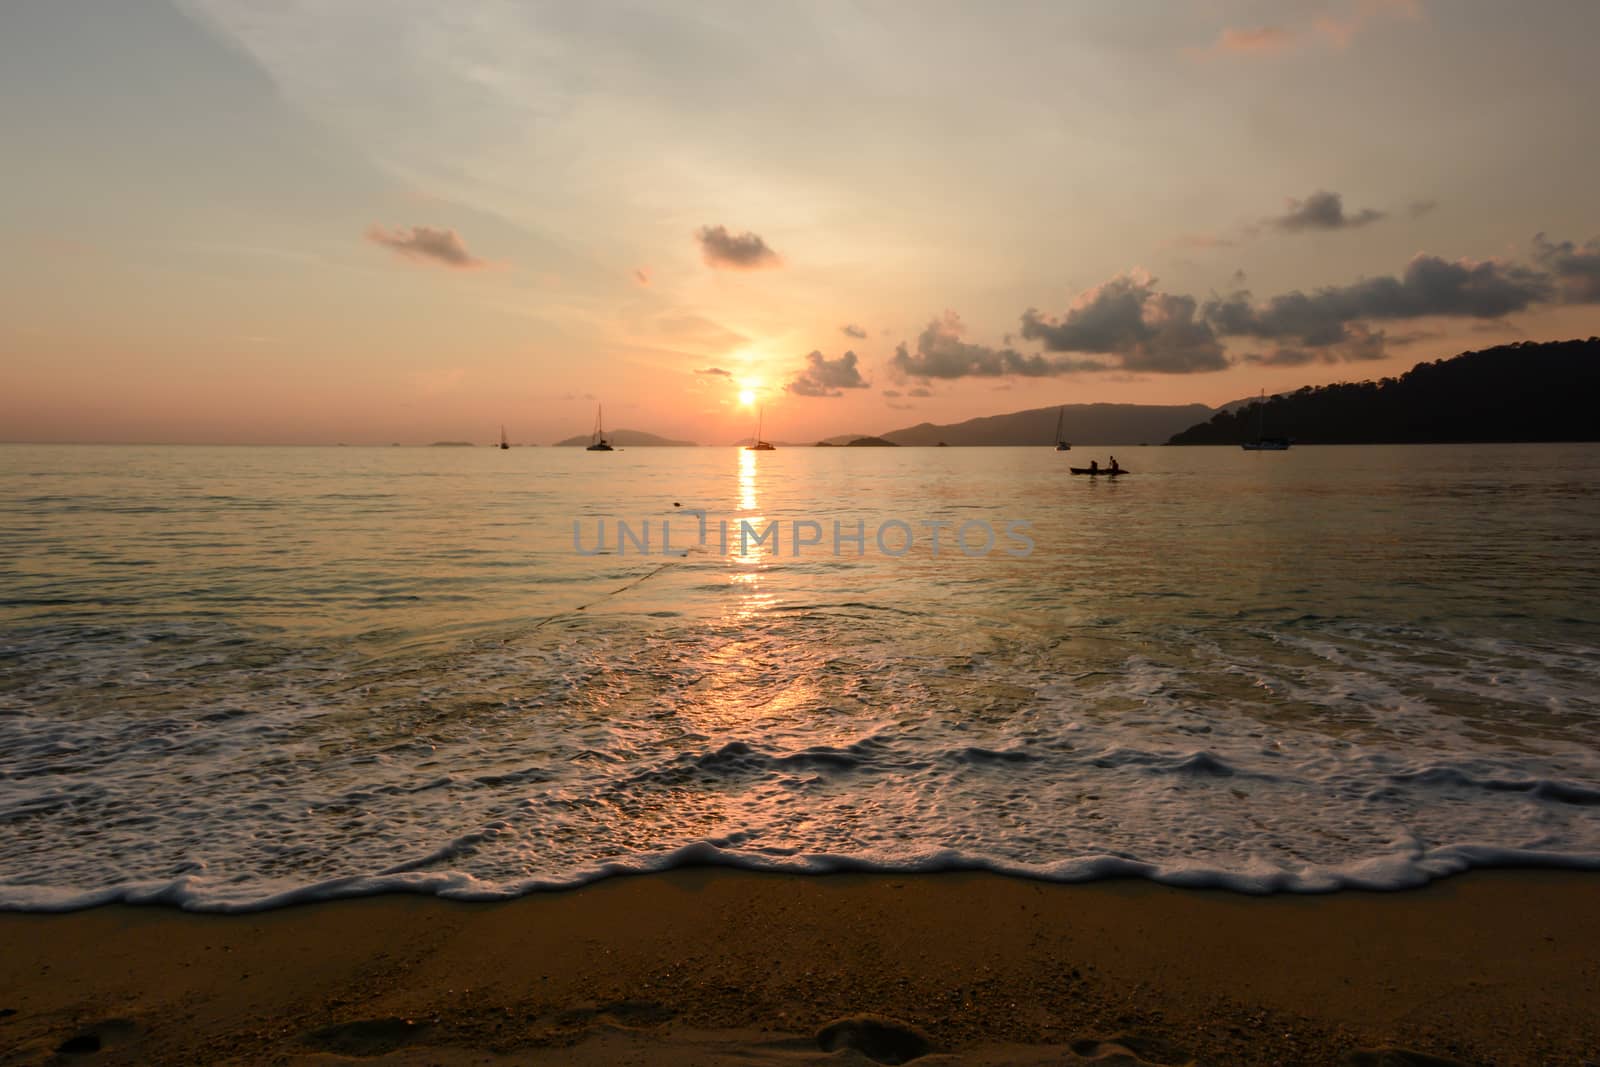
(709, 964)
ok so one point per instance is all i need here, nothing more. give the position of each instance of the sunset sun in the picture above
(747, 397)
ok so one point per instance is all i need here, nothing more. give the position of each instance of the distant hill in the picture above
(451, 444)
(1089, 424)
(629, 439)
(871, 442)
(1518, 392)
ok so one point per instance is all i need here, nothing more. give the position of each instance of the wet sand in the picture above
(710, 965)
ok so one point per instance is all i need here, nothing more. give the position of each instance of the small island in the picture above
(871, 442)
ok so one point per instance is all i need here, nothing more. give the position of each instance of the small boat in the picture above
(760, 445)
(1263, 443)
(597, 440)
(503, 442)
(1061, 446)
(1094, 472)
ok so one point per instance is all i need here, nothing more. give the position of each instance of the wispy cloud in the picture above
(852, 330)
(1258, 40)
(1341, 30)
(642, 276)
(1199, 240)
(1336, 30)
(428, 244)
(722, 250)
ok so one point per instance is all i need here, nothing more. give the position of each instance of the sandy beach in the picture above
(710, 965)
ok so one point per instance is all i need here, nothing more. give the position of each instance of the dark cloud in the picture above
(1328, 317)
(1322, 211)
(1358, 342)
(717, 371)
(1419, 208)
(427, 243)
(1576, 269)
(852, 330)
(735, 251)
(1329, 323)
(828, 377)
(941, 353)
(1127, 318)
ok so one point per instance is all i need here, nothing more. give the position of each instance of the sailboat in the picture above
(1061, 445)
(597, 439)
(503, 442)
(759, 445)
(1263, 443)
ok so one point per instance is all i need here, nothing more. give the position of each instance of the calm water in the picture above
(238, 676)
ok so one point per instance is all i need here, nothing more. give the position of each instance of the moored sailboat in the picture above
(597, 439)
(758, 445)
(1263, 443)
(1061, 445)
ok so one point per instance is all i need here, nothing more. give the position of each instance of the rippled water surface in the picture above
(237, 676)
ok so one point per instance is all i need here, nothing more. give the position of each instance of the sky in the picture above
(365, 221)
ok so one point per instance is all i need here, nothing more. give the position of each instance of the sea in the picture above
(233, 678)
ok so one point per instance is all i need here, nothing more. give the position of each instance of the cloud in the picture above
(717, 371)
(1332, 319)
(1430, 286)
(827, 377)
(1418, 208)
(1129, 319)
(1357, 342)
(1341, 31)
(919, 391)
(1576, 269)
(893, 394)
(427, 243)
(852, 330)
(735, 251)
(1336, 31)
(941, 353)
(1200, 240)
(642, 276)
(1259, 40)
(1322, 211)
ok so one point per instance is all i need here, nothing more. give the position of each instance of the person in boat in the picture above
(1114, 468)
(1094, 466)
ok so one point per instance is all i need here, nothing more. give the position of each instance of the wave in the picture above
(1400, 870)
